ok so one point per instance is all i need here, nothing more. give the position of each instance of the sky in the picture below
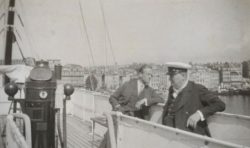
(152, 31)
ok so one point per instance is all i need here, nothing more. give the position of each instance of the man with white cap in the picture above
(189, 104)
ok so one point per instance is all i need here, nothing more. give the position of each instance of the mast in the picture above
(9, 35)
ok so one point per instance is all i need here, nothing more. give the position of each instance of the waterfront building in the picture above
(53, 63)
(205, 76)
(112, 81)
(246, 69)
(232, 76)
(126, 77)
(159, 80)
(73, 74)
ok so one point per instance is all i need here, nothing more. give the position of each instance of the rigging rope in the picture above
(107, 30)
(18, 45)
(87, 36)
(2, 30)
(90, 47)
(18, 34)
(3, 13)
(22, 18)
(2, 16)
(2, 2)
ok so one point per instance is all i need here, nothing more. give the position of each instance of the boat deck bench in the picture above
(102, 120)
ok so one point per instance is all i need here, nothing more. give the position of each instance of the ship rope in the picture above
(18, 45)
(86, 32)
(2, 16)
(27, 33)
(89, 45)
(107, 32)
(20, 31)
(107, 37)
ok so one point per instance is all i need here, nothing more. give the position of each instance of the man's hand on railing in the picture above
(141, 102)
(116, 108)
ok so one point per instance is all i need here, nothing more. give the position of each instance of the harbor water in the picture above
(237, 104)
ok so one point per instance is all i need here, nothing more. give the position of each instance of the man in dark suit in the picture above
(189, 104)
(135, 97)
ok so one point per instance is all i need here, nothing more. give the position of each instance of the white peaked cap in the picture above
(179, 65)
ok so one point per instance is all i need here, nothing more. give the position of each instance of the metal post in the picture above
(64, 124)
(111, 131)
(68, 90)
(9, 36)
(14, 108)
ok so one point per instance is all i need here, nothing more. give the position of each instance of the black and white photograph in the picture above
(124, 73)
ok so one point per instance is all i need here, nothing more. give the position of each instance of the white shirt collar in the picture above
(177, 91)
(140, 86)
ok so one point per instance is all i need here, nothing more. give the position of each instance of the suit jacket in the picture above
(192, 98)
(127, 96)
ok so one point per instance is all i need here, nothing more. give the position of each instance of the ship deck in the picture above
(85, 105)
(2, 121)
(80, 134)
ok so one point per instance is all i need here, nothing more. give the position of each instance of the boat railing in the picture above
(112, 131)
(86, 105)
(228, 127)
(18, 131)
(133, 133)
